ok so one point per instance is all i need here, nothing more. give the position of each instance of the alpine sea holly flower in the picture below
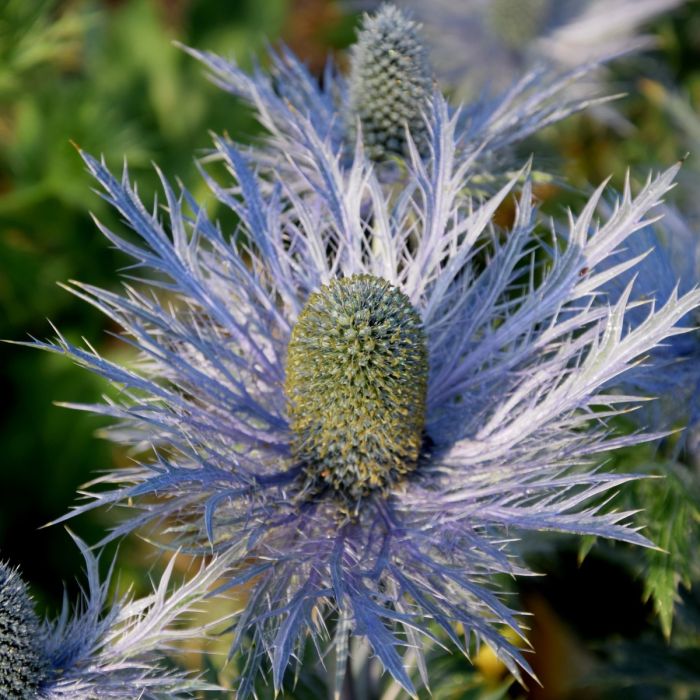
(490, 43)
(95, 650)
(362, 397)
(388, 91)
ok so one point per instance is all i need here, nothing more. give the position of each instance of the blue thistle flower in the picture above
(268, 354)
(490, 43)
(390, 83)
(96, 650)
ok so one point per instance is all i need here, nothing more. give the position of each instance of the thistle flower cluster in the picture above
(515, 368)
(359, 396)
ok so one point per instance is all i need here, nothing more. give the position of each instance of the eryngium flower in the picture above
(490, 43)
(390, 83)
(99, 650)
(327, 295)
(389, 91)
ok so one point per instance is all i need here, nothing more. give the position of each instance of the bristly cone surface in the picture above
(357, 370)
(22, 666)
(390, 83)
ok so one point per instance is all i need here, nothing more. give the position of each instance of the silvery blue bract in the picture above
(668, 256)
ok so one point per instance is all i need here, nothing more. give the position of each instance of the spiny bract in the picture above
(357, 372)
(669, 262)
(22, 665)
(390, 83)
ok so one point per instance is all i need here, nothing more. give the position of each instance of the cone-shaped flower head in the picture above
(357, 376)
(390, 82)
(387, 95)
(23, 667)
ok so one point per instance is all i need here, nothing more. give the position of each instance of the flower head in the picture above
(23, 667)
(490, 43)
(390, 82)
(98, 650)
(283, 386)
(356, 380)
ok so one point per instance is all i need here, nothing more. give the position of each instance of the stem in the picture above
(349, 684)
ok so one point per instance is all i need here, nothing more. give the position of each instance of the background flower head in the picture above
(478, 44)
(387, 92)
(99, 648)
(390, 83)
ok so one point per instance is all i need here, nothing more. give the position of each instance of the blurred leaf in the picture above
(33, 36)
(584, 547)
(648, 668)
(672, 513)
